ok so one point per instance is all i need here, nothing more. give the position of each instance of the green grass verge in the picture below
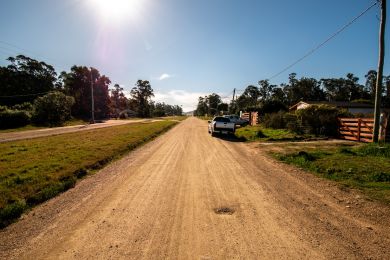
(205, 117)
(32, 171)
(259, 133)
(35, 127)
(362, 166)
(176, 118)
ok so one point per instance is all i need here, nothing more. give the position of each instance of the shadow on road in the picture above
(229, 138)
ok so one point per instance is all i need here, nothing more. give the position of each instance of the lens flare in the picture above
(117, 10)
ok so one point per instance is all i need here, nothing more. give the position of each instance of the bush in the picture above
(374, 150)
(26, 106)
(14, 118)
(321, 119)
(3, 108)
(272, 106)
(11, 212)
(381, 177)
(274, 120)
(52, 109)
(282, 120)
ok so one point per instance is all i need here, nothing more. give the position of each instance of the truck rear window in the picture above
(221, 119)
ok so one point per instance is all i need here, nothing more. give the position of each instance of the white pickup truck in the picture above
(221, 125)
(237, 120)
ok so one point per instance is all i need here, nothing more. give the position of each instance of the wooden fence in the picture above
(252, 117)
(356, 129)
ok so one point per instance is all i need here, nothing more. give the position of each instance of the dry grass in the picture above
(32, 171)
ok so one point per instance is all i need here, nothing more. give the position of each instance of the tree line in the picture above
(267, 98)
(30, 85)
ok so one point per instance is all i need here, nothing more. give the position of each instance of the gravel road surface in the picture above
(187, 195)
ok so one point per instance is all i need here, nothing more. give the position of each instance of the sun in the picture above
(116, 10)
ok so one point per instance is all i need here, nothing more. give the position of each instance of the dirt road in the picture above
(187, 195)
(13, 136)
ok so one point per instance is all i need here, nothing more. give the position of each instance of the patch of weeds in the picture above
(330, 171)
(374, 150)
(345, 150)
(363, 166)
(12, 211)
(306, 156)
(260, 134)
(381, 177)
(80, 173)
(52, 190)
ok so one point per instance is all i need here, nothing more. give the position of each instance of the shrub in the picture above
(374, 150)
(52, 109)
(282, 120)
(272, 106)
(321, 119)
(274, 120)
(11, 212)
(381, 177)
(14, 118)
(3, 108)
(123, 116)
(26, 106)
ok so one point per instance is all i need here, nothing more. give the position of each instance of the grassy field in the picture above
(205, 117)
(355, 165)
(176, 118)
(32, 171)
(34, 127)
(259, 133)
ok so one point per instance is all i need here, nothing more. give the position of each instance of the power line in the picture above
(16, 49)
(324, 42)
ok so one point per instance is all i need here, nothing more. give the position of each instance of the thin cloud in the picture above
(188, 100)
(148, 46)
(165, 76)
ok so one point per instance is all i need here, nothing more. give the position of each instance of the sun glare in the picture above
(117, 10)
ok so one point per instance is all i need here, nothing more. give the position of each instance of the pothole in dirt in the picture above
(224, 211)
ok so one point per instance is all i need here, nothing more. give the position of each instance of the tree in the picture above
(223, 107)
(279, 95)
(52, 109)
(371, 82)
(202, 107)
(162, 109)
(249, 100)
(386, 83)
(307, 89)
(118, 100)
(25, 79)
(213, 102)
(265, 90)
(77, 83)
(141, 95)
(208, 105)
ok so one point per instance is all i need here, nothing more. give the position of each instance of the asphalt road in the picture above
(187, 195)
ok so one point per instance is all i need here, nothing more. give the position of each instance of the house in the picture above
(354, 108)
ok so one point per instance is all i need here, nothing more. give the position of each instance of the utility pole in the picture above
(234, 93)
(92, 102)
(378, 93)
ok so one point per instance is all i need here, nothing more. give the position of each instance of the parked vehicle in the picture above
(237, 120)
(221, 125)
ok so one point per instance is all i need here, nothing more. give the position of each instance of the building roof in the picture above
(342, 104)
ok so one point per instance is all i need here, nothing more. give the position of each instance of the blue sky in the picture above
(191, 48)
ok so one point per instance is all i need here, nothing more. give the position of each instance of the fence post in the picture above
(359, 126)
